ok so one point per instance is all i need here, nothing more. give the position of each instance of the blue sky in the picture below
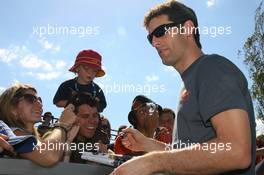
(29, 53)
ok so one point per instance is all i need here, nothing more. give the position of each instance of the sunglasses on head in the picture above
(147, 108)
(162, 30)
(31, 98)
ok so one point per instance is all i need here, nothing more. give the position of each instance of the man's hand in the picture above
(68, 116)
(72, 133)
(134, 140)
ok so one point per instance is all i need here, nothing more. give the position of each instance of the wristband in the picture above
(63, 126)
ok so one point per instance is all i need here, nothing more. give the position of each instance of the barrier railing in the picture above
(26, 167)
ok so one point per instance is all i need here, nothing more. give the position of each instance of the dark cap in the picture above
(138, 100)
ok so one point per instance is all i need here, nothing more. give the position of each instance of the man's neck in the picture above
(188, 59)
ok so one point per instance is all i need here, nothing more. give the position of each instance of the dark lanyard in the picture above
(78, 90)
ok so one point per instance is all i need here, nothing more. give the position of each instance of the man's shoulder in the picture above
(214, 63)
(214, 59)
(215, 68)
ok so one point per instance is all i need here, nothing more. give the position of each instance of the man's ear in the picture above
(189, 28)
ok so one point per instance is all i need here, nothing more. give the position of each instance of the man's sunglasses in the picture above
(162, 30)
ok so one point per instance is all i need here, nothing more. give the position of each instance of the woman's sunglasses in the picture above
(30, 98)
(162, 30)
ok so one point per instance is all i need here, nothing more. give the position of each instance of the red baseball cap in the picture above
(90, 58)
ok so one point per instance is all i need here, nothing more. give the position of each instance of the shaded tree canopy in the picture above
(254, 59)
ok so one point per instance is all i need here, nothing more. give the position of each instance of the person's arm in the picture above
(63, 94)
(4, 145)
(45, 156)
(232, 128)
(46, 153)
(61, 103)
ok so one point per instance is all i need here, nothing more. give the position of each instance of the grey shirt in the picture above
(212, 84)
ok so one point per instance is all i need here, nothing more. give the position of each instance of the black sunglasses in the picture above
(162, 29)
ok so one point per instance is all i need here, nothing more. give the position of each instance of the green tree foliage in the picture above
(254, 59)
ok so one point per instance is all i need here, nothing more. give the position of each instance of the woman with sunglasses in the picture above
(21, 108)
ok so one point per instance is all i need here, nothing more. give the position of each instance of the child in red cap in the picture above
(87, 66)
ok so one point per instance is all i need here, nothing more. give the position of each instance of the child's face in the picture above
(86, 73)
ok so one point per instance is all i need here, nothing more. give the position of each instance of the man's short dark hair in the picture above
(175, 11)
(83, 98)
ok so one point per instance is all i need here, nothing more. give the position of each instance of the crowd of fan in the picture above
(81, 121)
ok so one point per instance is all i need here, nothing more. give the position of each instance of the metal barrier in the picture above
(26, 167)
